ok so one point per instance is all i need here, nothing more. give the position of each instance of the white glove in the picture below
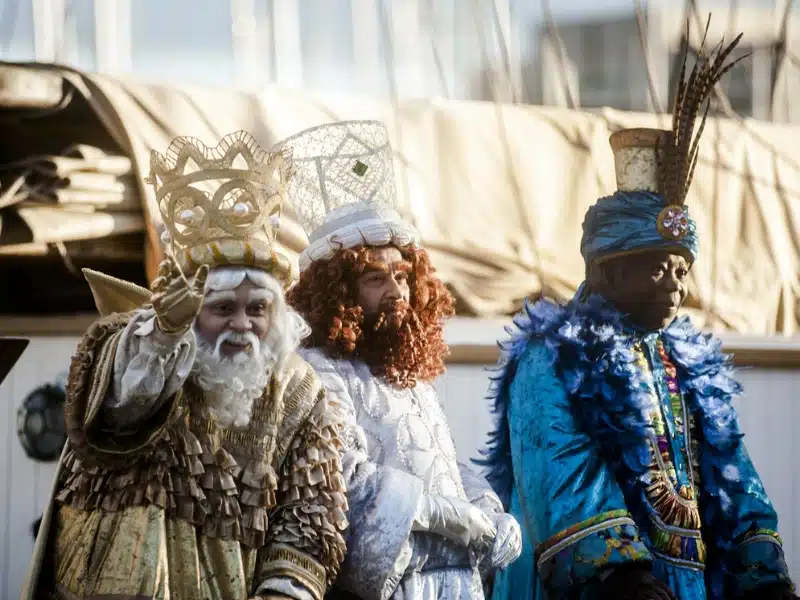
(456, 520)
(507, 544)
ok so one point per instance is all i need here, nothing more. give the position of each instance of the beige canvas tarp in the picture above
(499, 191)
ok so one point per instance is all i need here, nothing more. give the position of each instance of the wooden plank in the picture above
(71, 325)
(473, 341)
(771, 357)
(748, 351)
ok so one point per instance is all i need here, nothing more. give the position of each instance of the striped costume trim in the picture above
(575, 533)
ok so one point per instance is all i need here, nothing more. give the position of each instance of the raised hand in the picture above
(175, 300)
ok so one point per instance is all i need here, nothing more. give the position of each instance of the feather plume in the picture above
(678, 150)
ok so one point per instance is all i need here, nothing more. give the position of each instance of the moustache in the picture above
(391, 315)
(249, 342)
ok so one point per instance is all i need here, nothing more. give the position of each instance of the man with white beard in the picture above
(203, 459)
(232, 364)
(422, 526)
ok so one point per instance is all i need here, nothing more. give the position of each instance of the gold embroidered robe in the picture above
(187, 509)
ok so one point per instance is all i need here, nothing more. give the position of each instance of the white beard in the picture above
(231, 384)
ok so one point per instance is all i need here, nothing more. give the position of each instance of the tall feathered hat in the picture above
(654, 169)
(222, 206)
(343, 189)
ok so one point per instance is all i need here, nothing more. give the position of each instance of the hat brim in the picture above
(679, 250)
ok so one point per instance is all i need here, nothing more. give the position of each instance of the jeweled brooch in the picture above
(673, 222)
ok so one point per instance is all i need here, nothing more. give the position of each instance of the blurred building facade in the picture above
(606, 61)
(585, 53)
(411, 48)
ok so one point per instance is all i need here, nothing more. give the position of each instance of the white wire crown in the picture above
(338, 164)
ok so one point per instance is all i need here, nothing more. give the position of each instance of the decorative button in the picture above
(673, 222)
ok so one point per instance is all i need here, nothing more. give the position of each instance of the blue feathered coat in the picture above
(613, 446)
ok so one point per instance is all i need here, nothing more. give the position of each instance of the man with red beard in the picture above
(422, 526)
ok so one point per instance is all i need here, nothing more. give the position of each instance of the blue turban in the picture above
(627, 222)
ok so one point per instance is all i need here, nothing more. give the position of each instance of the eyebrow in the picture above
(399, 265)
(213, 297)
(256, 295)
(259, 295)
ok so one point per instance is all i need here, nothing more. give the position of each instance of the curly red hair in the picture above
(408, 350)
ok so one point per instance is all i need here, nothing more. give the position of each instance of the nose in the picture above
(394, 291)
(671, 283)
(240, 322)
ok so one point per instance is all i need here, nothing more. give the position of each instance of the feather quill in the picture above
(678, 151)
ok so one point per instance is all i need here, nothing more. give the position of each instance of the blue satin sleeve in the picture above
(744, 523)
(574, 510)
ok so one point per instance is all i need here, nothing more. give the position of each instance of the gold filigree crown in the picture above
(222, 206)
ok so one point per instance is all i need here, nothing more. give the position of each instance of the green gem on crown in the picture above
(360, 168)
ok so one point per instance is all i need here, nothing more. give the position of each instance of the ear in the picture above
(597, 280)
(612, 273)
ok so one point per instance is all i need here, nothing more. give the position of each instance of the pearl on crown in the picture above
(191, 216)
(240, 209)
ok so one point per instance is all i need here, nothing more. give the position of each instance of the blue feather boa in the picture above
(594, 357)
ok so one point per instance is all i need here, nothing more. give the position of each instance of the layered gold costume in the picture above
(177, 505)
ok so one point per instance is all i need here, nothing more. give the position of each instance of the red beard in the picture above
(396, 345)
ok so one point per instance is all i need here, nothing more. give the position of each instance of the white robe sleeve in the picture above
(384, 501)
(479, 492)
(150, 366)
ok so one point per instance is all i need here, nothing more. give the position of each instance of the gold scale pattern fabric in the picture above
(186, 509)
